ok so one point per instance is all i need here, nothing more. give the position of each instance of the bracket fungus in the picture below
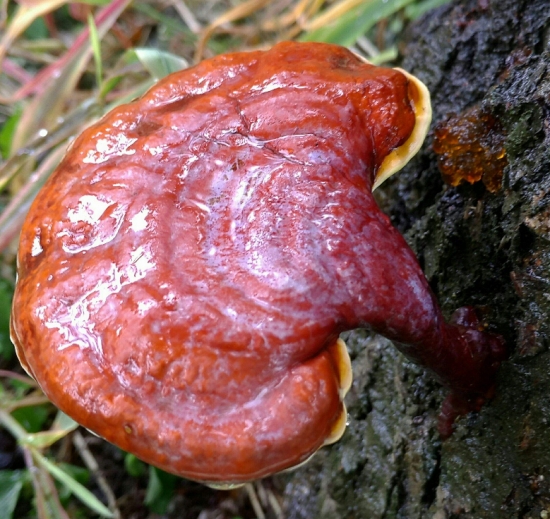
(185, 273)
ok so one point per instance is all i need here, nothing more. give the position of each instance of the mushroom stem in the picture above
(461, 355)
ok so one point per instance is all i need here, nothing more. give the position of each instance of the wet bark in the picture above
(490, 250)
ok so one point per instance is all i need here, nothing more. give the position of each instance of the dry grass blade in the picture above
(298, 15)
(275, 505)
(11, 68)
(3, 12)
(333, 13)
(46, 497)
(238, 12)
(187, 16)
(16, 376)
(254, 501)
(23, 18)
(35, 398)
(80, 443)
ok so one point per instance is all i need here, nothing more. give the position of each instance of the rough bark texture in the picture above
(490, 250)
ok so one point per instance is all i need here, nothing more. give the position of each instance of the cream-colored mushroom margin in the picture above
(18, 349)
(420, 96)
(339, 352)
(345, 376)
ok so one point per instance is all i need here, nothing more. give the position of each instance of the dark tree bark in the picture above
(481, 248)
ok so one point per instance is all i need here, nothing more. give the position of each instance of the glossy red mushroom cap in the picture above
(186, 271)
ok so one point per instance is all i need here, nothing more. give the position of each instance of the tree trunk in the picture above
(486, 61)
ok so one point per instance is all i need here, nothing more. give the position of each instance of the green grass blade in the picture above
(96, 50)
(389, 54)
(345, 29)
(78, 490)
(416, 10)
(160, 63)
(11, 483)
(62, 426)
(99, 3)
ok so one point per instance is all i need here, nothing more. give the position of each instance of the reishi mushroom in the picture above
(185, 273)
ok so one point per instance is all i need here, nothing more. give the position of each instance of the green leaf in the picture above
(11, 483)
(134, 466)
(7, 131)
(6, 295)
(63, 422)
(37, 30)
(160, 490)
(32, 418)
(159, 63)
(345, 29)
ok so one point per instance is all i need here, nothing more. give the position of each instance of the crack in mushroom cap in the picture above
(185, 272)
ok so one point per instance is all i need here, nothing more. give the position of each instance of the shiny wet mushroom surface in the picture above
(185, 273)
